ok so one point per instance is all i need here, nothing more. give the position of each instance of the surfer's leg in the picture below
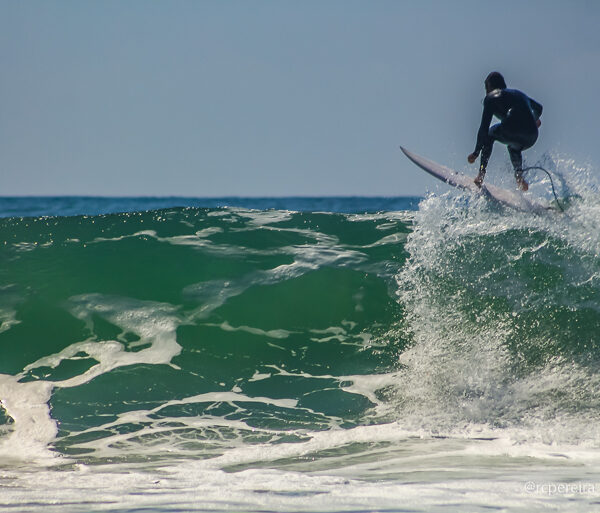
(516, 159)
(486, 153)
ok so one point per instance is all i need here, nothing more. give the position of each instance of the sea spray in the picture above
(504, 312)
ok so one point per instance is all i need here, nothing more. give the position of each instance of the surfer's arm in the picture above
(486, 119)
(536, 108)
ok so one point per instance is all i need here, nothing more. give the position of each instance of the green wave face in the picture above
(144, 323)
(190, 332)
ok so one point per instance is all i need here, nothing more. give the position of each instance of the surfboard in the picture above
(513, 199)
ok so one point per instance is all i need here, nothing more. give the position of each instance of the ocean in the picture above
(436, 354)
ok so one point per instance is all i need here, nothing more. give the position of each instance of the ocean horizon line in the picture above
(211, 197)
(41, 206)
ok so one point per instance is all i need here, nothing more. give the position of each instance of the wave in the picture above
(191, 333)
(134, 325)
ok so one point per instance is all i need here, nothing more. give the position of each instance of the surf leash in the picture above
(540, 168)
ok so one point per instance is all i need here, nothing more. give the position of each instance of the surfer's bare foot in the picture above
(478, 180)
(522, 184)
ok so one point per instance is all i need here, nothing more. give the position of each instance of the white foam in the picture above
(155, 324)
(187, 488)
(276, 334)
(27, 402)
(33, 428)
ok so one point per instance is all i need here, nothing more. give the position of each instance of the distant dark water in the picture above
(34, 206)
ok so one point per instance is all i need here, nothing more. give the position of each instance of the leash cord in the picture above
(551, 183)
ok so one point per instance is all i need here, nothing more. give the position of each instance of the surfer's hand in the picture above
(538, 123)
(471, 158)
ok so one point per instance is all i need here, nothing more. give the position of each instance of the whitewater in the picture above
(436, 355)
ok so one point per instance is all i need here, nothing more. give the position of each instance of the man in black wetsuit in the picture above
(518, 128)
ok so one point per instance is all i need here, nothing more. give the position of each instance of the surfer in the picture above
(518, 128)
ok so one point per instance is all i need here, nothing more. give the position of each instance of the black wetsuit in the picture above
(517, 129)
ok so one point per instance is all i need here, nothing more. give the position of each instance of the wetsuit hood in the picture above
(494, 80)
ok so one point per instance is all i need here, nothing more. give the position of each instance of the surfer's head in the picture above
(494, 81)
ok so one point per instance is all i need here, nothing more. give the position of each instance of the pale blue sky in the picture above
(276, 98)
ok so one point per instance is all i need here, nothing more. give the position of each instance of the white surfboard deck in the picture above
(514, 199)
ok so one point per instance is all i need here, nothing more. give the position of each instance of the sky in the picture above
(279, 98)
